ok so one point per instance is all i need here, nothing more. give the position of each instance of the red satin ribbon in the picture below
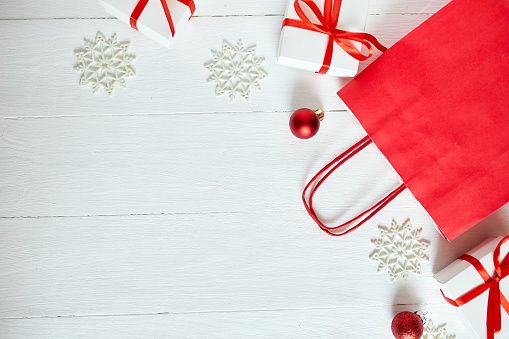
(496, 298)
(329, 21)
(141, 6)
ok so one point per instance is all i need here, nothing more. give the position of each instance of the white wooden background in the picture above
(164, 212)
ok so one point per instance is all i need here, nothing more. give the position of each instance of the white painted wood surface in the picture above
(164, 212)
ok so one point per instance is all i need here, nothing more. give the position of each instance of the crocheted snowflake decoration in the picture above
(440, 332)
(235, 70)
(104, 63)
(399, 250)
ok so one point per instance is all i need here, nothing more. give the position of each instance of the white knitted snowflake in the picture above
(235, 70)
(440, 332)
(399, 250)
(104, 63)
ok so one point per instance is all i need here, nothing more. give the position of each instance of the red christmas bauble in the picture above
(305, 123)
(407, 325)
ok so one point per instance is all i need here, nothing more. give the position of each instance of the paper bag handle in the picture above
(326, 172)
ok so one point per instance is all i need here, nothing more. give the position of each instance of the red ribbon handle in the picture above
(495, 298)
(326, 172)
(141, 6)
(329, 21)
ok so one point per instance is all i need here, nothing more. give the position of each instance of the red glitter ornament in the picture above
(407, 325)
(305, 123)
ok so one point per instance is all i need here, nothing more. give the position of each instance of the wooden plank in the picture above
(213, 262)
(167, 81)
(353, 322)
(181, 163)
(12, 9)
(406, 7)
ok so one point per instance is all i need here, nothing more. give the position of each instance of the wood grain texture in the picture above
(59, 9)
(164, 212)
(180, 163)
(371, 322)
(190, 263)
(167, 81)
(199, 268)
(213, 263)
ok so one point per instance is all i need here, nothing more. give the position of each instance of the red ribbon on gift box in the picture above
(496, 297)
(329, 21)
(141, 6)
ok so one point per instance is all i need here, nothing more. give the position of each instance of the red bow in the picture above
(329, 21)
(496, 297)
(141, 6)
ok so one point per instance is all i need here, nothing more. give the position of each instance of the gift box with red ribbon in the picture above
(326, 36)
(161, 20)
(476, 284)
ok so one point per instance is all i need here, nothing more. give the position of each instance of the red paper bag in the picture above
(436, 104)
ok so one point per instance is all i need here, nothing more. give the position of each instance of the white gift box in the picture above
(305, 49)
(460, 277)
(152, 21)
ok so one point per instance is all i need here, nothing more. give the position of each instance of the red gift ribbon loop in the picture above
(329, 21)
(141, 6)
(495, 298)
